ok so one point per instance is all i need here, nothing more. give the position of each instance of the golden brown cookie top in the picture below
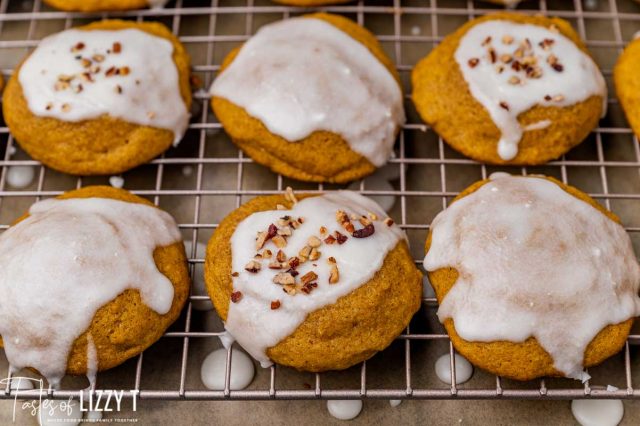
(533, 260)
(70, 257)
(101, 5)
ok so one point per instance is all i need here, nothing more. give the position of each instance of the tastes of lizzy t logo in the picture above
(63, 411)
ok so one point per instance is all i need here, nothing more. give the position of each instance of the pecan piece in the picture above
(283, 278)
(236, 296)
(365, 232)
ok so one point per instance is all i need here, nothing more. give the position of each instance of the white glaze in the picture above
(344, 409)
(56, 412)
(64, 262)
(579, 79)
(597, 412)
(21, 383)
(464, 370)
(92, 361)
(198, 287)
(534, 261)
(20, 176)
(252, 321)
(116, 181)
(93, 416)
(395, 402)
(213, 370)
(303, 75)
(150, 93)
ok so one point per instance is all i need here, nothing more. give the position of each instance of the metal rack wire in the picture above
(607, 166)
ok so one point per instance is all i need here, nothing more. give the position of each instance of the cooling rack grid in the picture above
(206, 177)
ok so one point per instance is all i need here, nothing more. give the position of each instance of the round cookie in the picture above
(337, 335)
(126, 326)
(322, 156)
(103, 5)
(550, 123)
(526, 360)
(103, 144)
(627, 83)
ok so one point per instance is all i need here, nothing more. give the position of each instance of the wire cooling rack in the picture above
(206, 177)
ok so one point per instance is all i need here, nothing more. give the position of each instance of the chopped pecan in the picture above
(341, 238)
(330, 239)
(284, 278)
(253, 266)
(236, 296)
(261, 239)
(308, 277)
(388, 221)
(314, 242)
(281, 257)
(279, 241)
(334, 274)
(290, 196)
(275, 304)
(365, 232)
(315, 254)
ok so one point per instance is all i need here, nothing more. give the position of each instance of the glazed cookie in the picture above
(319, 284)
(101, 99)
(627, 83)
(103, 5)
(533, 277)
(313, 98)
(510, 89)
(89, 280)
(311, 3)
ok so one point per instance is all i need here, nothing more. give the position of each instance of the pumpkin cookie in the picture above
(627, 84)
(100, 99)
(103, 5)
(313, 98)
(510, 89)
(533, 277)
(311, 3)
(89, 280)
(317, 284)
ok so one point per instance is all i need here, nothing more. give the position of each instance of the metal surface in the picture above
(206, 177)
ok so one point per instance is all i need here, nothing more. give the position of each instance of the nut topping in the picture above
(314, 242)
(365, 232)
(309, 277)
(275, 304)
(236, 296)
(253, 266)
(284, 278)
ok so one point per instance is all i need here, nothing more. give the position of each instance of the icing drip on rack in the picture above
(64, 262)
(289, 263)
(128, 74)
(534, 261)
(511, 68)
(304, 75)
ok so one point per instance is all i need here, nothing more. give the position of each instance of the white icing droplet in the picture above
(139, 84)
(116, 181)
(20, 176)
(523, 239)
(377, 183)
(68, 259)
(226, 339)
(92, 361)
(415, 30)
(611, 388)
(157, 4)
(506, 94)
(464, 370)
(56, 412)
(21, 383)
(199, 287)
(395, 402)
(591, 4)
(289, 77)
(597, 412)
(344, 409)
(12, 150)
(93, 415)
(213, 370)
(251, 320)
(187, 171)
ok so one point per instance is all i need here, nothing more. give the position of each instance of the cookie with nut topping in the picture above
(510, 89)
(103, 5)
(315, 282)
(314, 98)
(102, 98)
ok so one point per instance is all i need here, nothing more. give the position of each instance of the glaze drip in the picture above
(534, 261)
(64, 262)
(304, 75)
(511, 68)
